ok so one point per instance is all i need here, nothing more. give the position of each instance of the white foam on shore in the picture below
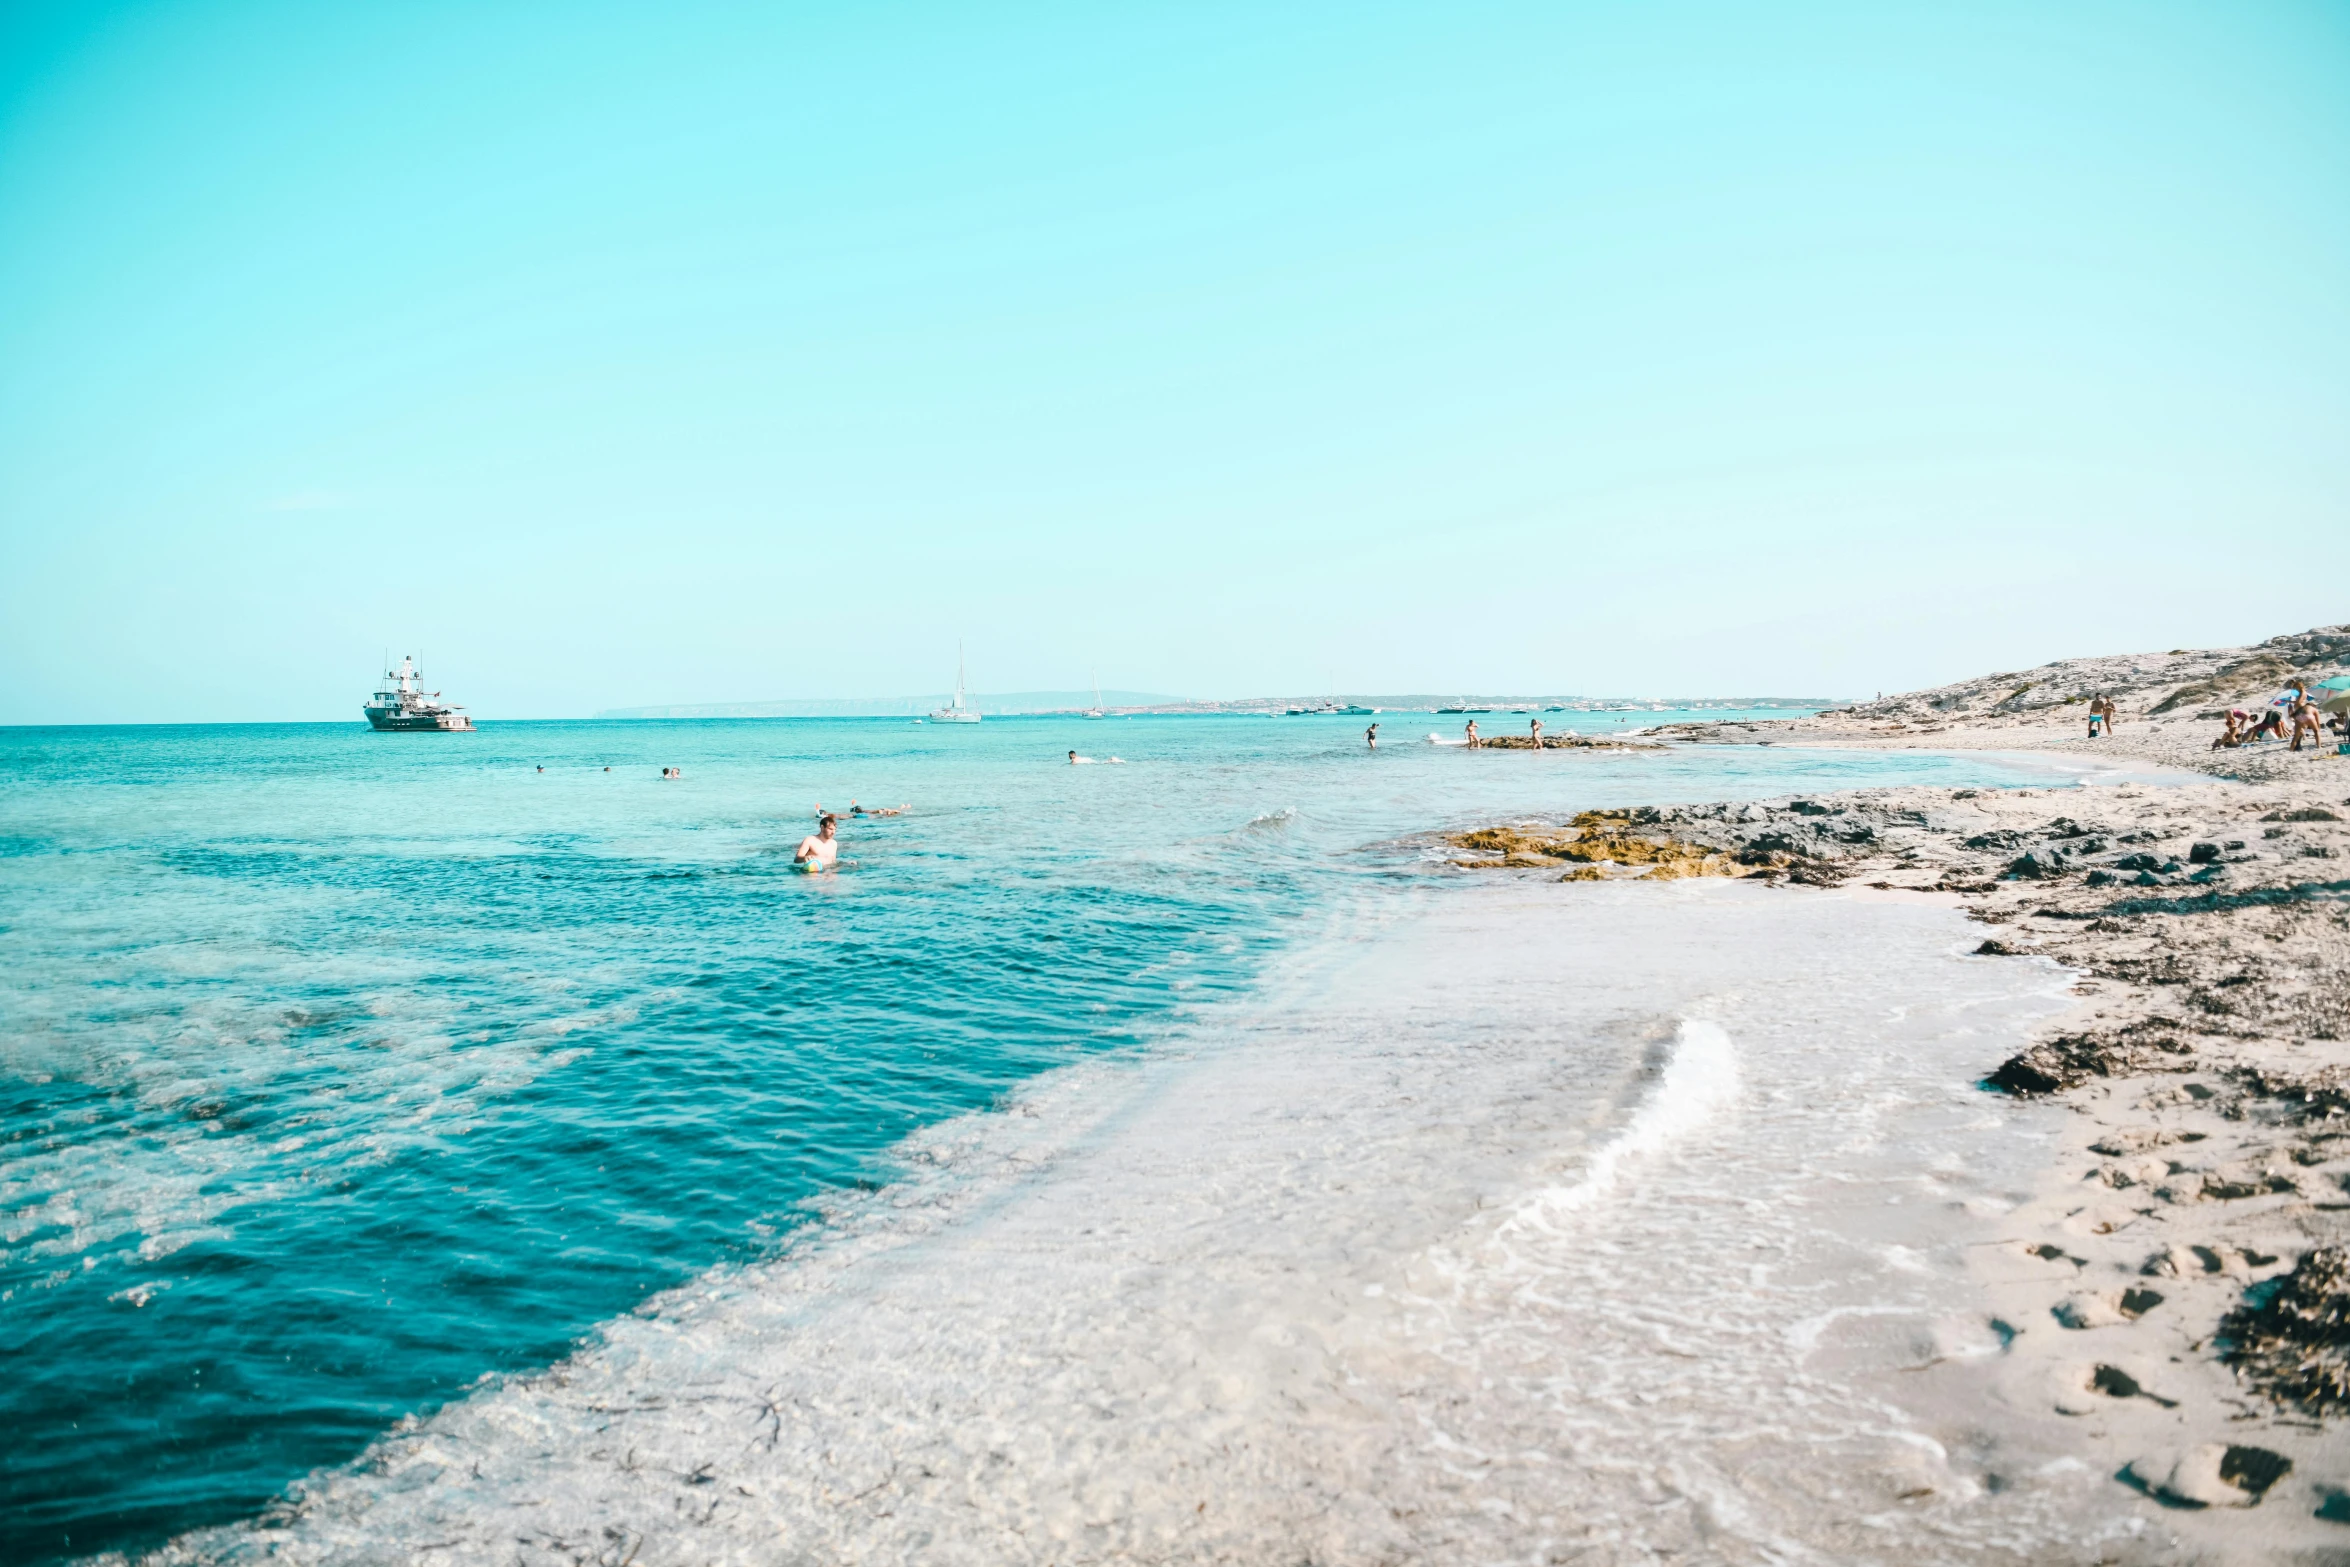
(1700, 1077)
(1280, 1293)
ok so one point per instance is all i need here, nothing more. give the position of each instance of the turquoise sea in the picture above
(340, 1071)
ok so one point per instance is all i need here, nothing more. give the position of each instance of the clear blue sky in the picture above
(702, 352)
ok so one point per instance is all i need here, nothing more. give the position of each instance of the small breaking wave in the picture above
(1698, 1079)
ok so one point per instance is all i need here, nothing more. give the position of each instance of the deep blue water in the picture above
(340, 1070)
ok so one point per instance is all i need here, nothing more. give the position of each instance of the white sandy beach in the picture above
(1541, 1223)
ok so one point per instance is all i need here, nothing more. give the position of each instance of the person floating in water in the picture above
(819, 851)
(1371, 737)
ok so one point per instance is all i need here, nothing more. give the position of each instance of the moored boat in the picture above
(955, 712)
(402, 705)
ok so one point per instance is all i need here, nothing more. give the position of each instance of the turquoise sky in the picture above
(691, 352)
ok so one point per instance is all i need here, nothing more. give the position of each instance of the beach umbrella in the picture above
(2333, 696)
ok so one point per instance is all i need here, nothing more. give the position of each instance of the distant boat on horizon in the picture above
(955, 712)
(1095, 711)
(402, 707)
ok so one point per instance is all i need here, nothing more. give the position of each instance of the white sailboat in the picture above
(955, 712)
(1095, 711)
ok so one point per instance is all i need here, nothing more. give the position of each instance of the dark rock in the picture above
(2137, 862)
(2114, 1382)
(2072, 1059)
(2038, 864)
(2253, 1470)
(2307, 813)
(1999, 839)
(2291, 1339)
(2102, 878)
(2203, 853)
(1807, 808)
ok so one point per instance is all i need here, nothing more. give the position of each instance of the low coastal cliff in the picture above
(2182, 1286)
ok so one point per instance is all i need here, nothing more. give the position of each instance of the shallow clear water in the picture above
(338, 1071)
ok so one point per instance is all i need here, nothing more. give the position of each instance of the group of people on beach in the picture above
(2293, 718)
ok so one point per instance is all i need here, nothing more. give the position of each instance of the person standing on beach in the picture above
(2096, 713)
(2304, 715)
(1474, 742)
(1371, 737)
(1536, 724)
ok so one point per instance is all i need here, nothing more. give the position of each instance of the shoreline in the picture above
(1572, 1223)
(2187, 1239)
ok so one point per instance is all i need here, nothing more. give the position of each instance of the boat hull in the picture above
(394, 722)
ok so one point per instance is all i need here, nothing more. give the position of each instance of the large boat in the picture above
(955, 712)
(401, 705)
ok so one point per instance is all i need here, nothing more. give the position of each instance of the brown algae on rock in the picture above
(1593, 840)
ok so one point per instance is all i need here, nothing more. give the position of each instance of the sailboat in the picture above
(955, 712)
(1095, 711)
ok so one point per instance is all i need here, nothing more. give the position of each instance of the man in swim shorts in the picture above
(819, 851)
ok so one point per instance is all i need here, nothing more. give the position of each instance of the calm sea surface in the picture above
(339, 1070)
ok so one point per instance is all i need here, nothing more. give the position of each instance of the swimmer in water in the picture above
(1371, 737)
(819, 851)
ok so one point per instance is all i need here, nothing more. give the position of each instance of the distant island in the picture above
(1038, 703)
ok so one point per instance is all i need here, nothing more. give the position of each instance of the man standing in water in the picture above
(819, 850)
(1371, 737)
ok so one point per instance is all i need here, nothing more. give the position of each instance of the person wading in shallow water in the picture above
(1474, 742)
(1371, 737)
(819, 851)
(1536, 725)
